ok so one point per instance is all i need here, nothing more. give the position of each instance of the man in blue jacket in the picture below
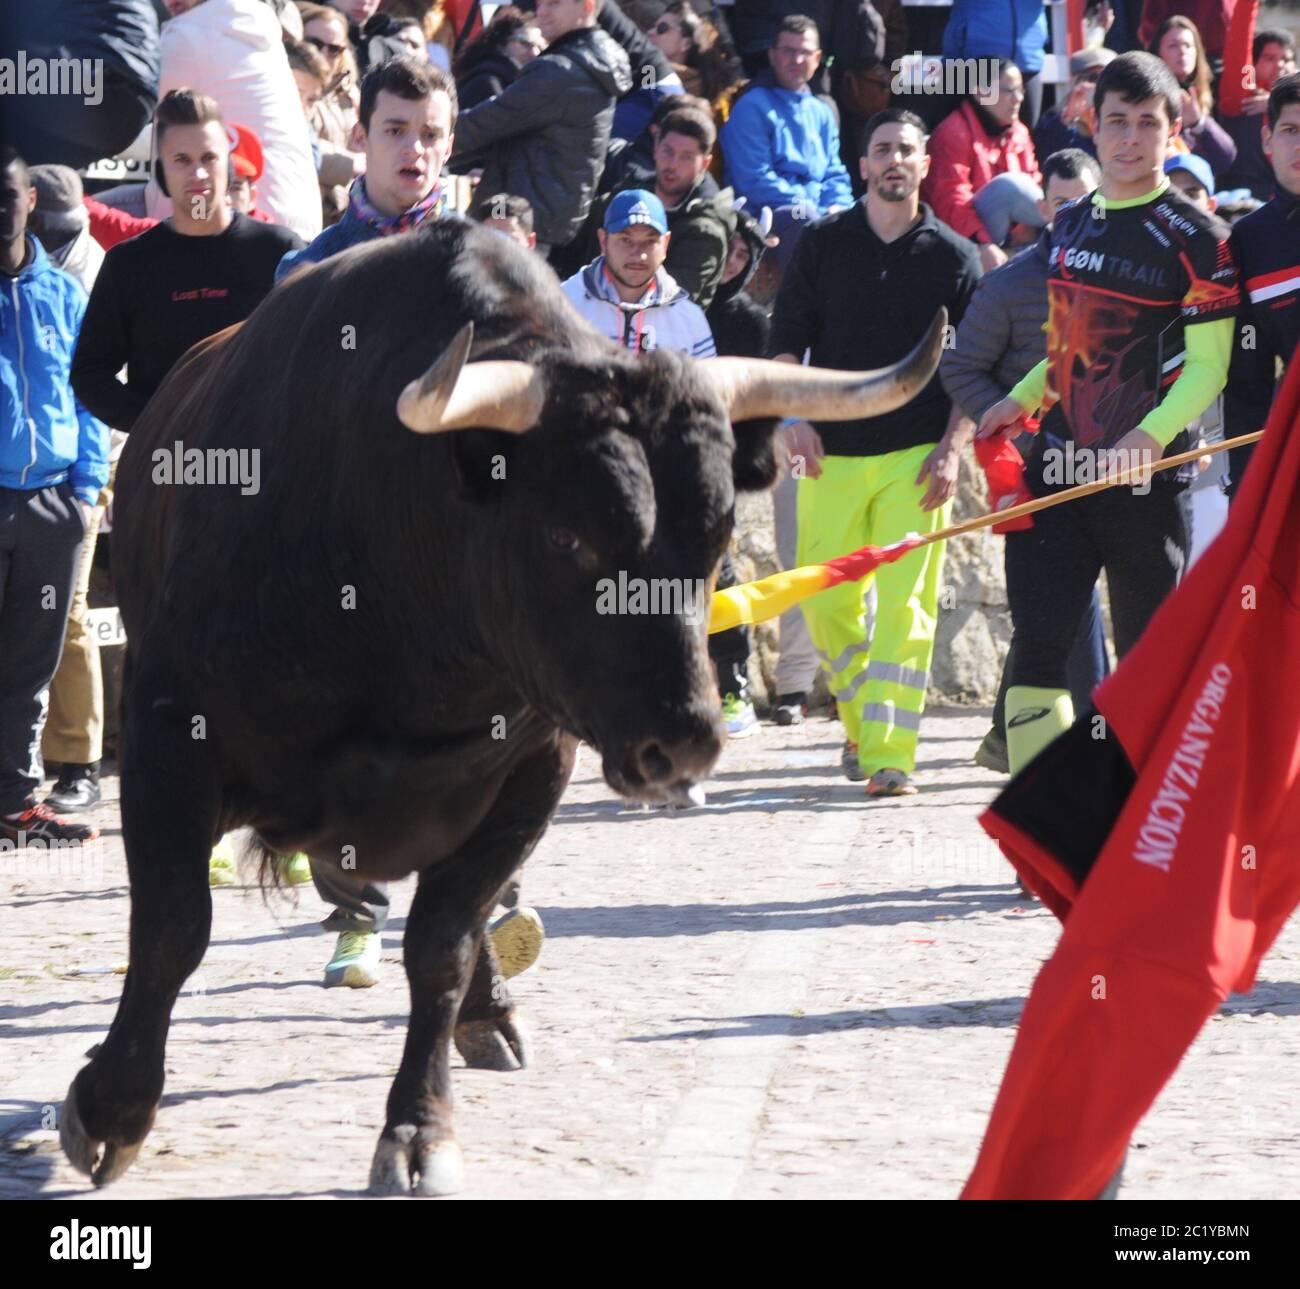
(53, 464)
(781, 144)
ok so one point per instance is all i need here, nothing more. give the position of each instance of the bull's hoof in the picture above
(501, 1044)
(415, 1161)
(102, 1162)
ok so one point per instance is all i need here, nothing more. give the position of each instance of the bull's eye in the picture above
(564, 540)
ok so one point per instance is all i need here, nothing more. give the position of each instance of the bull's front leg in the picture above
(443, 951)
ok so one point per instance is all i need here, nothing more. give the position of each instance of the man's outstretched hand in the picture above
(1004, 415)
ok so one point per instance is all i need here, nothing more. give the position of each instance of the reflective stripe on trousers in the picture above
(877, 655)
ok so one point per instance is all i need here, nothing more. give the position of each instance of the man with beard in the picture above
(627, 295)
(699, 216)
(861, 290)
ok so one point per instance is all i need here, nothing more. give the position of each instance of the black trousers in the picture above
(1140, 541)
(729, 650)
(41, 531)
(1087, 666)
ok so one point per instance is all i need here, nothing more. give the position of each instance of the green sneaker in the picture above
(355, 962)
(295, 870)
(517, 938)
(222, 869)
(738, 714)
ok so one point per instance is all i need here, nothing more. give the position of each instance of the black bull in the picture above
(386, 655)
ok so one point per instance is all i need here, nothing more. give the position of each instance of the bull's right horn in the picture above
(756, 387)
(454, 394)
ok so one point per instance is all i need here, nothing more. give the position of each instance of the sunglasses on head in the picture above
(325, 47)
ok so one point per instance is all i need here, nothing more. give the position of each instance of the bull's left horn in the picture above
(757, 387)
(457, 395)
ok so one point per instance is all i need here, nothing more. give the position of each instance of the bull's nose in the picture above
(661, 763)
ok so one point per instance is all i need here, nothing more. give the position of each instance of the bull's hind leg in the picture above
(443, 950)
(489, 1034)
(170, 807)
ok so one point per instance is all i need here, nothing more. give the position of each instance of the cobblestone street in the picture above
(790, 992)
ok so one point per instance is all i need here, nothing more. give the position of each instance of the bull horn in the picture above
(455, 394)
(758, 387)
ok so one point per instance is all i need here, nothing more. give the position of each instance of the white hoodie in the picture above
(665, 317)
(232, 50)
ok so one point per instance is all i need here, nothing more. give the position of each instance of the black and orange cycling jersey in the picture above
(1125, 281)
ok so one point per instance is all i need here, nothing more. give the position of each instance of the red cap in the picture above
(245, 151)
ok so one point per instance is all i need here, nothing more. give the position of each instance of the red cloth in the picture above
(963, 159)
(466, 19)
(1237, 58)
(854, 566)
(1210, 16)
(1167, 847)
(1004, 468)
(108, 225)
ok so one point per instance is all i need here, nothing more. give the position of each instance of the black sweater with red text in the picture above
(156, 296)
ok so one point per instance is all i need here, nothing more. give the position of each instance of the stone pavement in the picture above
(791, 992)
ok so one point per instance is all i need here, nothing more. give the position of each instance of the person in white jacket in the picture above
(232, 50)
(626, 294)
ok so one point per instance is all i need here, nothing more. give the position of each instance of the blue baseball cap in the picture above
(636, 206)
(1197, 167)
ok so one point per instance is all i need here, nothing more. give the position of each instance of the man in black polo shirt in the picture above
(860, 291)
(1141, 294)
(185, 279)
(1266, 249)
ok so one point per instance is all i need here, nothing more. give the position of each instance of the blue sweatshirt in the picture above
(782, 148)
(1015, 29)
(46, 436)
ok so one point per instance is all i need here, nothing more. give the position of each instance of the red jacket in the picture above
(108, 225)
(963, 158)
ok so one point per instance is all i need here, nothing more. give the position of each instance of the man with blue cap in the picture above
(626, 294)
(1192, 176)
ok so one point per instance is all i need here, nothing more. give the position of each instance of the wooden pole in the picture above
(1083, 489)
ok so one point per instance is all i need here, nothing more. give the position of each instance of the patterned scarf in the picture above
(431, 207)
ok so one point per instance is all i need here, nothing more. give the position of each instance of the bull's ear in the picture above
(481, 460)
(754, 465)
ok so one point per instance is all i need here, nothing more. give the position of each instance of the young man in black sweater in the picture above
(194, 274)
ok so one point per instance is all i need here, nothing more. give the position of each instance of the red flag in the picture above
(1163, 831)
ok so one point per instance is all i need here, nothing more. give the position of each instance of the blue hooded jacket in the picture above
(783, 148)
(46, 436)
(1015, 29)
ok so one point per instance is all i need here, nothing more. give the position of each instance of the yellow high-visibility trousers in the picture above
(874, 638)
